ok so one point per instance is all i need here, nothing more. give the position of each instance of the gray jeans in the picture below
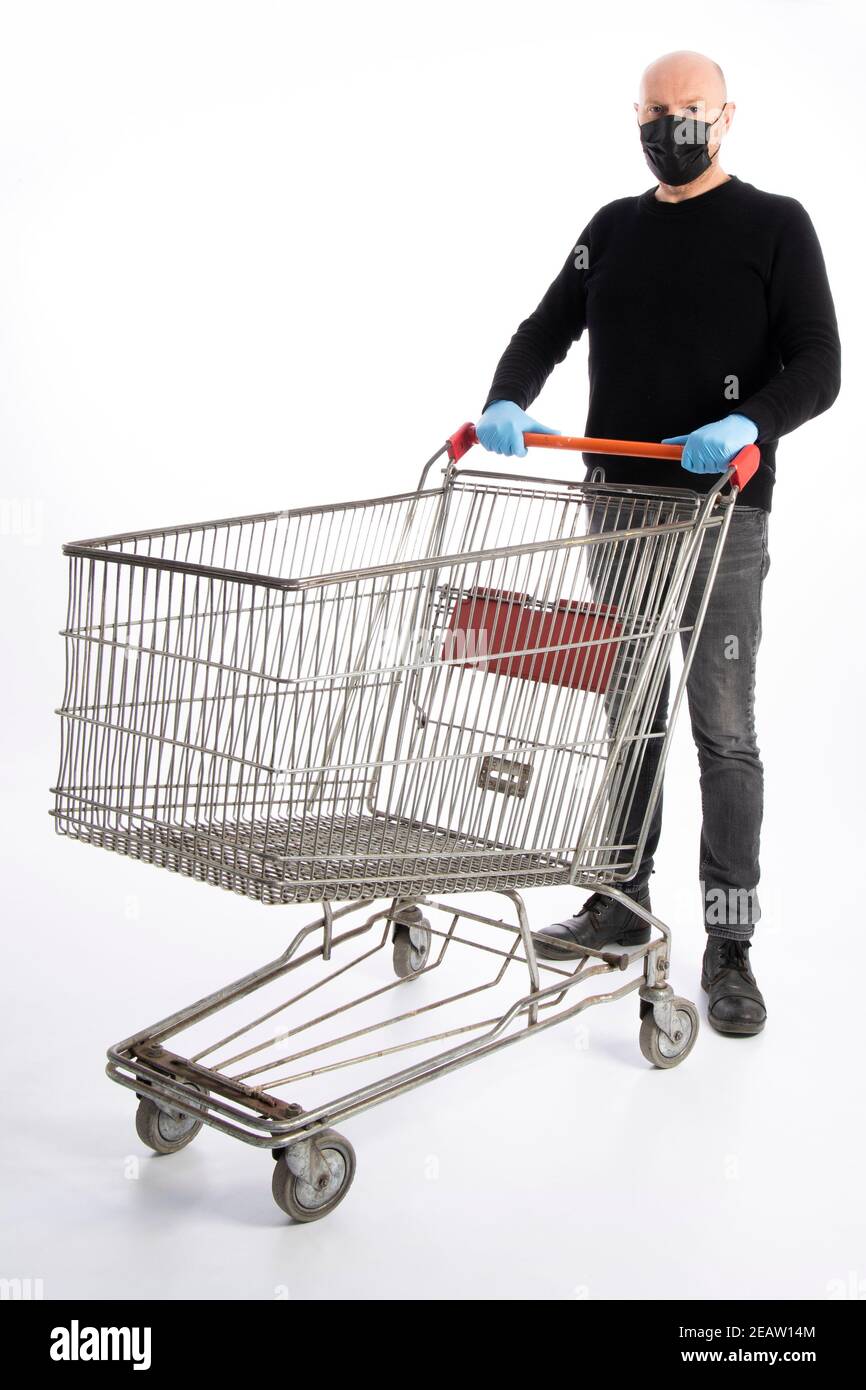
(721, 698)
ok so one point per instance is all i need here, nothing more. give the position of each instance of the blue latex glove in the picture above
(711, 448)
(502, 427)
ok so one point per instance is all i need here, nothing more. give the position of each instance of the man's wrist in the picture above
(746, 420)
(747, 417)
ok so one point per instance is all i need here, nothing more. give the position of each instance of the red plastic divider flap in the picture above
(497, 631)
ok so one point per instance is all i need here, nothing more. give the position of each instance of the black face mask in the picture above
(675, 148)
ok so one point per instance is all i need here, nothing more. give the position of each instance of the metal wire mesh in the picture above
(441, 690)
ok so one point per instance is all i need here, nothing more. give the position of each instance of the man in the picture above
(710, 325)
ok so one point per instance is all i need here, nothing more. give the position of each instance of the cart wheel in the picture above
(661, 1050)
(304, 1201)
(410, 957)
(164, 1131)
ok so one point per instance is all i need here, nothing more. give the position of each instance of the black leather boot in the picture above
(735, 1003)
(600, 921)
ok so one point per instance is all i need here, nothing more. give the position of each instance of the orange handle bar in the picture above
(626, 448)
(745, 464)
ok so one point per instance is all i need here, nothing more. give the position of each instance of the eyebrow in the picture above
(689, 101)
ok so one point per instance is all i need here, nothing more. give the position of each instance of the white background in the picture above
(260, 255)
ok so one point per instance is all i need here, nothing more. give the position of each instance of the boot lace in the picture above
(734, 955)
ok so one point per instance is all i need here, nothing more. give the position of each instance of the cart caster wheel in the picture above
(411, 948)
(164, 1131)
(657, 1047)
(305, 1200)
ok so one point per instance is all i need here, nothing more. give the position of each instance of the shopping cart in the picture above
(447, 691)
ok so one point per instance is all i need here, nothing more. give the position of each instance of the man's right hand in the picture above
(502, 427)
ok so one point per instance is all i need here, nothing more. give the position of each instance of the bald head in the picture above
(682, 84)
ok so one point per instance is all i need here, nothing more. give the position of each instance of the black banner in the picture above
(66, 1338)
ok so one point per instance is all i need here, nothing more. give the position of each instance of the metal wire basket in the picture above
(395, 696)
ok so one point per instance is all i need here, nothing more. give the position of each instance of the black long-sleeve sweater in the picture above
(715, 306)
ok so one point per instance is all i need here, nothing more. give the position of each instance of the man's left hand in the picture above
(711, 448)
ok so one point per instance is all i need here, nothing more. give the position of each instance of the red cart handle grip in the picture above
(745, 464)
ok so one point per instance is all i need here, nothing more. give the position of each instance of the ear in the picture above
(726, 116)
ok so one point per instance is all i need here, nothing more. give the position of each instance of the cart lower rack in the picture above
(443, 692)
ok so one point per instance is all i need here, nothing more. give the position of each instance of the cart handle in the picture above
(743, 466)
